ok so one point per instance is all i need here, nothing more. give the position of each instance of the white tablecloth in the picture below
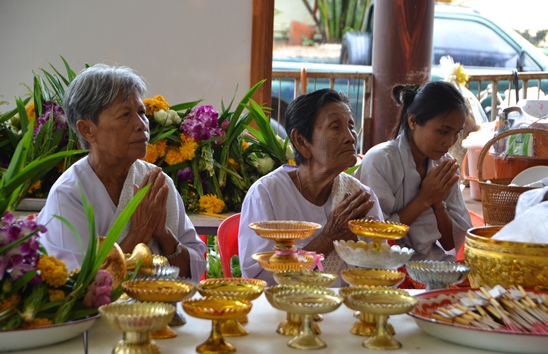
(262, 338)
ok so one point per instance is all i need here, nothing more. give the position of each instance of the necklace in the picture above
(299, 179)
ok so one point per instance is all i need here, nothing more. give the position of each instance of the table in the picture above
(262, 338)
(207, 224)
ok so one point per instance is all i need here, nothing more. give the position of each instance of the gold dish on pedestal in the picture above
(382, 302)
(284, 233)
(307, 304)
(216, 308)
(236, 288)
(366, 325)
(160, 290)
(136, 320)
(305, 277)
(372, 277)
(304, 261)
(378, 230)
(291, 326)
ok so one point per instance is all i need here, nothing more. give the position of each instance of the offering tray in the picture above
(372, 277)
(307, 304)
(216, 308)
(169, 290)
(237, 288)
(367, 255)
(382, 302)
(284, 233)
(426, 316)
(137, 320)
(437, 274)
(291, 326)
(305, 277)
(304, 261)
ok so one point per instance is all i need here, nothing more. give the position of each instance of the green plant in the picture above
(335, 17)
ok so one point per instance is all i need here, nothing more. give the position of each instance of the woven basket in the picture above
(497, 197)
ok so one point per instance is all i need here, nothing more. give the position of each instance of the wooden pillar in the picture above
(262, 38)
(402, 53)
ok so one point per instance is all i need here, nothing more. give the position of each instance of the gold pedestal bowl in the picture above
(302, 262)
(378, 230)
(305, 277)
(372, 277)
(216, 309)
(136, 320)
(382, 302)
(236, 288)
(307, 304)
(160, 290)
(284, 233)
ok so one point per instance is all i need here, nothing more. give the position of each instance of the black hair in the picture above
(302, 112)
(426, 102)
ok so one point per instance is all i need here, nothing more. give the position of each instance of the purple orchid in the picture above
(202, 123)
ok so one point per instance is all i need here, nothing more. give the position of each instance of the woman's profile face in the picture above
(334, 137)
(122, 132)
(436, 136)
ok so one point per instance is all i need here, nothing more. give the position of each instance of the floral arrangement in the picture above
(36, 289)
(213, 156)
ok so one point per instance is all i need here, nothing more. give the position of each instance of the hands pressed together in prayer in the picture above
(353, 206)
(438, 183)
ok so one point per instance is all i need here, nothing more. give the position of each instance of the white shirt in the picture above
(390, 170)
(64, 199)
(275, 197)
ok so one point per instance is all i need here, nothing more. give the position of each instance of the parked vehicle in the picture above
(463, 33)
(480, 44)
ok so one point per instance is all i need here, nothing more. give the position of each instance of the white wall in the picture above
(184, 49)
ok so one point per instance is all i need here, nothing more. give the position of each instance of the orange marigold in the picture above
(52, 271)
(36, 323)
(31, 111)
(233, 163)
(56, 294)
(155, 104)
(35, 186)
(152, 153)
(173, 156)
(211, 204)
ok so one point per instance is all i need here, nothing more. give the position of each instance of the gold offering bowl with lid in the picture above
(381, 302)
(378, 230)
(284, 233)
(216, 309)
(236, 288)
(307, 302)
(168, 290)
(136, 320)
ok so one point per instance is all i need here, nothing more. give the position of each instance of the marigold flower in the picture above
(155, 104)
(53, 271)
(56, 294)
(152, 154)
(233, 163)
(36, 323)
(35, 186)
(291, 162)
(31, 111)
(245, 145)
(211, 204)
(161, 147)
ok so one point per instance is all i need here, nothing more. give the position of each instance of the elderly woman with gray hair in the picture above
(104, 106)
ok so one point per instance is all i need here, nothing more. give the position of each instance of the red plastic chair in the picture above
(227, 240)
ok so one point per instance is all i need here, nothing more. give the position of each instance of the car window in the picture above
(472, 44)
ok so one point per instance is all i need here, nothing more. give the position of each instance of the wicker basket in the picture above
(498, 198)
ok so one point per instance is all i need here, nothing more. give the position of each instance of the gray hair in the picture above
(94, 89)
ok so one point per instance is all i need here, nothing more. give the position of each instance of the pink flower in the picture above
(99, 290)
